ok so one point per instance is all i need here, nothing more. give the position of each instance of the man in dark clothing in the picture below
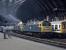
(4, 31)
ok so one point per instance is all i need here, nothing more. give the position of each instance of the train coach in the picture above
(59, 27)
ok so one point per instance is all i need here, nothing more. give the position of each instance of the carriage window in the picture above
(59, 26)
(64, 25)
(40, 24)
(53, 27)
(56, 27)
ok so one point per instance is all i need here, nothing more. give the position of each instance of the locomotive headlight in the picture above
(20, 23)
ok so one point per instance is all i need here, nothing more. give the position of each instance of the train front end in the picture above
(45, 26)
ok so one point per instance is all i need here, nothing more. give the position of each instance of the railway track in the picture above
(54, 42)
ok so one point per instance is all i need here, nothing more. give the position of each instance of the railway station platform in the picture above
(15, 43)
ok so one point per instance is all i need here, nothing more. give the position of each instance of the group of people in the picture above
(6, 32)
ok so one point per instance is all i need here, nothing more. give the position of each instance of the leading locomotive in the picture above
(36, 28)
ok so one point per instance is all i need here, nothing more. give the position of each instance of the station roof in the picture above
(41, 8)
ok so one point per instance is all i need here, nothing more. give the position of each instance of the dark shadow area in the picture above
(29, 10)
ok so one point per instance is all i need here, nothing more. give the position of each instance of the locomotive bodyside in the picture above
(42, 26)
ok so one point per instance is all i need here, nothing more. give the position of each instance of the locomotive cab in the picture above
(45, 26)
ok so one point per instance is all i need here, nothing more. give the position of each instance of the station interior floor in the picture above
(15, 43)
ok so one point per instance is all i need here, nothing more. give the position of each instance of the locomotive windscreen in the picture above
(46, 23)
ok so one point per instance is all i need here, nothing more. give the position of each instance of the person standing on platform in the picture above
(7, 32)
(4, 32)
